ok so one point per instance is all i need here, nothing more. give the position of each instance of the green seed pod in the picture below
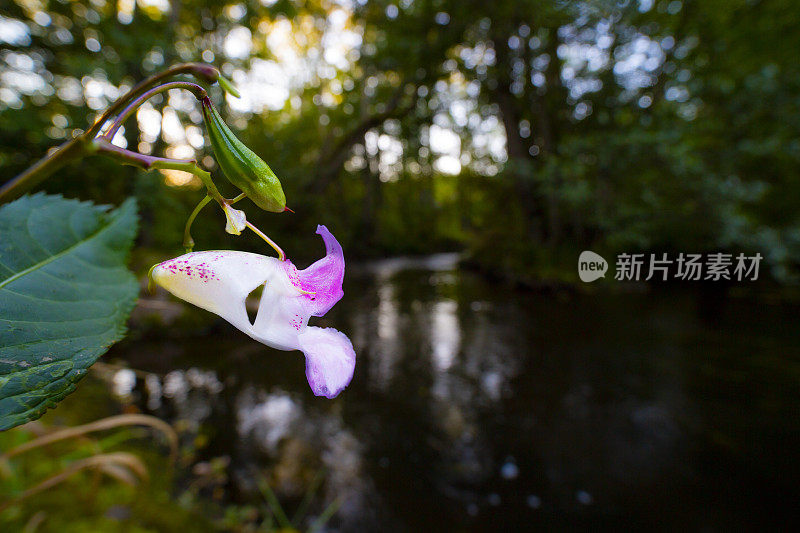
(241, 165)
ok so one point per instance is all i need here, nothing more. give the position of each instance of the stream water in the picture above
(475, 406)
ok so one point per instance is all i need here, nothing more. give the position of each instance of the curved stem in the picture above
(198, 91)
(149, 162)
(199, 70)
(188, 242)
(82, 145)
(281, 255)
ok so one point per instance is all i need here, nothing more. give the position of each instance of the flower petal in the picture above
(324, 278)
(217, 281)
(330, 360)
(236, 220)
(282, 314)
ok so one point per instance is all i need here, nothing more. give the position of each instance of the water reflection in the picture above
(267, 420)
(385, 337)
(476, 407)
(445, 334)
(297, 441)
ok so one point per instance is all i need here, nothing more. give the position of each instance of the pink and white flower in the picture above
(220, 281)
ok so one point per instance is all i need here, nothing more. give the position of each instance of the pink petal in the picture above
(324, 278)
(330, 360)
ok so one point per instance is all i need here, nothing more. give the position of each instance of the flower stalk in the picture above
(281, 255)
(238, 162)
(188, 241)
(202, 71)
(198, 92)
(82, 145)
(148, 162)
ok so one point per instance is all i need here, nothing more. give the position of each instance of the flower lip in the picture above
(330, 360)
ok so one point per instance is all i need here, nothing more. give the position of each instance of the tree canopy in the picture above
(523, 131)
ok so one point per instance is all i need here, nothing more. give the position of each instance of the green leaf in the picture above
(65, 295)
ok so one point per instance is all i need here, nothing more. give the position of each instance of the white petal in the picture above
(282, 313)
(217, 281)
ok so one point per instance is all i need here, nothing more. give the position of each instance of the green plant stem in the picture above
(308, 497)
(149, 162)
(82, 145)
(199, 70)
(188, 242)
(274, 504)
(326, 515)
(86, 143)
(198, 91)
(102, 146)
(281, 255)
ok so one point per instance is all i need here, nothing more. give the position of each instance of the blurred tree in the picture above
(525, 131)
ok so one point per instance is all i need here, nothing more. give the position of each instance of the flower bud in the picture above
(241, 165)
(209, 74)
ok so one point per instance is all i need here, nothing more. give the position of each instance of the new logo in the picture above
(591, 266)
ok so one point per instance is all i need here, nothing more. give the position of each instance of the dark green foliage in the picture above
(65, 295)
(691, 147)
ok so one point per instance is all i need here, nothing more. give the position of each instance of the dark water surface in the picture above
(478, 407)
